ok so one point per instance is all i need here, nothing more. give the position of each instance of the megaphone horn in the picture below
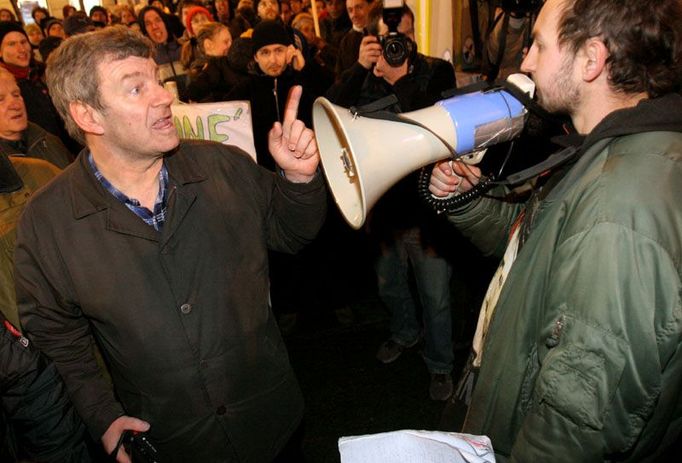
(362, 157)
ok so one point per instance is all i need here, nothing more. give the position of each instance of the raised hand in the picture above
(292, 144)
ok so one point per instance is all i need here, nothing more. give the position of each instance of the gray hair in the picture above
(72, 74)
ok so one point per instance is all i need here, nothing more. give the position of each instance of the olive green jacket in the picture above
(583, 357)
(34, 173)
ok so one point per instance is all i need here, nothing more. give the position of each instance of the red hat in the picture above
(195, 10)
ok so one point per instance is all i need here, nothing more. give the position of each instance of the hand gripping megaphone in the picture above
(362, 157)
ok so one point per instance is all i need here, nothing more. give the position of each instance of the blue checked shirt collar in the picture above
(155, 218)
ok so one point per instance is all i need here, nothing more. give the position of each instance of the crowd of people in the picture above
(146, 279)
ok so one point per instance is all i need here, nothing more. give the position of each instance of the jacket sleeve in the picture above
(612, 344)
(296, 213)
(54, 322)
(487, 221)
(35, 402)
(346, 91)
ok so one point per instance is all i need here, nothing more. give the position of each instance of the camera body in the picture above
(397, 47)
(139, 447)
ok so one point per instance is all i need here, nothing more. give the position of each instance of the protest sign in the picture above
(227, 122)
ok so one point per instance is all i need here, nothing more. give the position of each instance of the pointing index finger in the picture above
(291, 108)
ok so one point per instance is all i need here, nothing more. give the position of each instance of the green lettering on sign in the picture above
(213, 120)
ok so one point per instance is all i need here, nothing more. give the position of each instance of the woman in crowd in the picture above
(196, 16)
(68, 10)
(35, 36)
(54, 28)
(212, 77)
(38, 14)
(6, 15)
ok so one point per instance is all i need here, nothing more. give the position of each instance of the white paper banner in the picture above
(411, 446)
(227, 122)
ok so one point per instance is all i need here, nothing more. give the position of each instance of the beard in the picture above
(562, 95)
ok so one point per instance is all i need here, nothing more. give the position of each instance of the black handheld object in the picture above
(138, 446)
(397, 47)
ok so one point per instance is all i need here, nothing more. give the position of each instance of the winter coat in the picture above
(349, 49)
(268, 96)
(38, 144)
(181, 315)
(583, 356)
(34, 173)
(37, 420)
(214, 81)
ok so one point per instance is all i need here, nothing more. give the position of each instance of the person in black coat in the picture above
(276, 67)
(37, 420)
(408, 233)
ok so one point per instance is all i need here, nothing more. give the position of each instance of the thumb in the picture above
(136, 424)
(275, 134)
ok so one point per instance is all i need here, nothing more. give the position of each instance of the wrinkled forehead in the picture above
(7, 80)
(113, 70)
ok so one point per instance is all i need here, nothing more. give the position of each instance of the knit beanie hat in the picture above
(10, 26)
(269, 33)
(195, 10)
(49, 23)
(98, 8)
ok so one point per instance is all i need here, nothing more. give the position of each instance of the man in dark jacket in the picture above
(19, 136)
(358, 11)
(579, 340)
(277, 66)
(156, 250)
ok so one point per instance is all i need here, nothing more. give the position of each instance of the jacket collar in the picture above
(649, 115)
(88, 196)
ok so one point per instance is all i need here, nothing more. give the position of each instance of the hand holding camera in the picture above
(370, 51)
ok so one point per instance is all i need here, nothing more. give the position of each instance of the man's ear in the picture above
(87, 118)
(595, 57)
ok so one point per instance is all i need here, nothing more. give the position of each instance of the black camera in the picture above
(138, 446)
(397, 47)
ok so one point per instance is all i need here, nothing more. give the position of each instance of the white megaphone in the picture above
(363, 157)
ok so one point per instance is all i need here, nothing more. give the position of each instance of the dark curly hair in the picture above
(643, 37)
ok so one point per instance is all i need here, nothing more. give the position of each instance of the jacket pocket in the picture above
(580, 376)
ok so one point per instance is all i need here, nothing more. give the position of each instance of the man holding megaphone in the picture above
(578, 341)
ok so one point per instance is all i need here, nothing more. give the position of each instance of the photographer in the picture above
(407, 233)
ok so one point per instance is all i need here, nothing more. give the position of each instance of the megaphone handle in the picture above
(456, 200)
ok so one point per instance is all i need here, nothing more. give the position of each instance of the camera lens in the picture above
(395, 51)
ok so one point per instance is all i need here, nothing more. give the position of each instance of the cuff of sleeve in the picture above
(98, 425)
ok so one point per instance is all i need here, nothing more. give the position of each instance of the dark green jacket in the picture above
(181, 316)
(583, 358)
